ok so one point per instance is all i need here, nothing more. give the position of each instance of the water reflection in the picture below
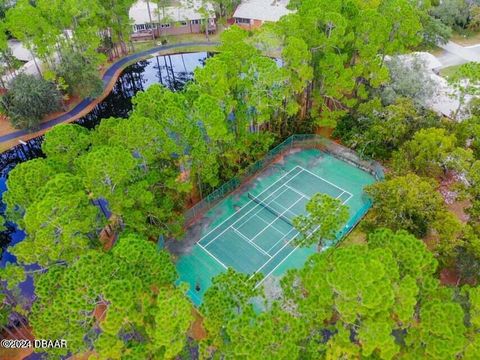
(173, 71)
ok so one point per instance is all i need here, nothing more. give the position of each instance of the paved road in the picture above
(455, 54)
(107, 78)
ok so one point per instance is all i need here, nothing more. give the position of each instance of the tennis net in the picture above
(268, 208)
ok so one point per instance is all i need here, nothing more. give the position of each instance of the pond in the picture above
(173, 71)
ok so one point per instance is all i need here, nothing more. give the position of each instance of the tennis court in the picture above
(260, 235)
(250, 228)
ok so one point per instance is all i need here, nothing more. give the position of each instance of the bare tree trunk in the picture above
(36, 64)
(150, 18)
(206, 29)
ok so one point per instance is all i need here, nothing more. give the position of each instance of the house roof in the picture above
(19, 51)
(180, 10)
(265, 10)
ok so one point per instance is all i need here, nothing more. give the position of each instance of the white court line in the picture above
(273, 227)
(213, 256)
(278, 217)
(296, 247)
(339, 196)
(236, 213)
(282, 261)
(298, 192)
(258, 196)
(338, 187)
(348, 198)
(261, 267)
(262, 208)
(284, 236)
(248, 241)
(288, 209)
(286, 257)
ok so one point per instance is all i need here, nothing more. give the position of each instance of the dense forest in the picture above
(380, 298)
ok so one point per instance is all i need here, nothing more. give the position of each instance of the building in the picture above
(251, 14)
(181, 17)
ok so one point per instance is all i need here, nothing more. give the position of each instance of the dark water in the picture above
(173, 71)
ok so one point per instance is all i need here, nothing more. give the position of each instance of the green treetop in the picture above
(113, 303)
(326, 216)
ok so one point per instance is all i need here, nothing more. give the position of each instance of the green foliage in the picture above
(60, 226)
(65, 143)
(23, 185)
(440, 334)
(428, 153)
(380, 297)
(125, 291)
(404, 202)
(106, 170)
(80, 74)
(270, 335)
(474, 24)
(29, 99)
(467, 133)
(413, 259)
(380, 300)
(466, 80)
(225, 8)
(434, 31)
(453, 13)
(13, 275)
(228, 297)
(450, 232)
(409, 79)
(347, 52)
(326, 216)
(377, 131)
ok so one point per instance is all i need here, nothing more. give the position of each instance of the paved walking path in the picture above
(454, 54)
(109, 78)
(471, 53)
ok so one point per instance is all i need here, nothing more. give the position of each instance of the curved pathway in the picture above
(109, 77)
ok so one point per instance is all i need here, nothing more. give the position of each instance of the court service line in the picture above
(338, 187)
(241, 217)
(278, 217)
(284, 236)
(283, 260)
(253, 244)
(283, 185)
(273, 227)
(213, 256)
(268, 203)
(268, 261)
(251, 201)
(348, 199)
(298, 192)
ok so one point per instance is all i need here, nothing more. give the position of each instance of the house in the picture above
(251, 14)
(179, 17)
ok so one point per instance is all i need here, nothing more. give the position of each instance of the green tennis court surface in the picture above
(258, 237)
(251, 230)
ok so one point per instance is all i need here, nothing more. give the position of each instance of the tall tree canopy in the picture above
(119, 304)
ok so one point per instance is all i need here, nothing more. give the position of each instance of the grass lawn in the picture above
(175, 39)
(356, 237)
(449, 71)
(466, 39)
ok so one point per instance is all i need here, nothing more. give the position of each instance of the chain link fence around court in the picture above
(295, 141)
